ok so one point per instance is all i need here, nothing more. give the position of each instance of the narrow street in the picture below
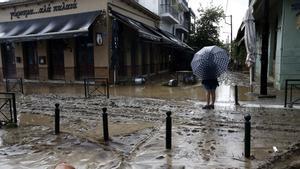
(200, 138)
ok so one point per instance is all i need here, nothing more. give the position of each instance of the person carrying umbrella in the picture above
(208, 64)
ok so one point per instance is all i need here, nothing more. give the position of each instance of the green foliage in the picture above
(207, 27)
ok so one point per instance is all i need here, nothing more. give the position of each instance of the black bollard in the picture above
(14, 108)
(168, 130)
(56, 121)
(105, 124)
(247, 135)
(236, 95)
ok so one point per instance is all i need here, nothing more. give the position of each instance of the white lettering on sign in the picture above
(47, 8)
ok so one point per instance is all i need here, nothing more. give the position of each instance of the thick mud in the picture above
(201, 138)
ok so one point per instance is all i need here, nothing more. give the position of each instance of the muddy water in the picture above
(210, 139)
(205, 138)
(224, 93)
(33, 144)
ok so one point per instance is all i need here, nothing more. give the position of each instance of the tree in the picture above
(207, 27)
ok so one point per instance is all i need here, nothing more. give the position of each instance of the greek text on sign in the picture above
(47, 8)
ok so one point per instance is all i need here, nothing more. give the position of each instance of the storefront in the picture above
(70, 40)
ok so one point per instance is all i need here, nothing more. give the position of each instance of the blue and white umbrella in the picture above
(210, 62)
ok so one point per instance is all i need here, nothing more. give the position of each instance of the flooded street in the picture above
(200, 138)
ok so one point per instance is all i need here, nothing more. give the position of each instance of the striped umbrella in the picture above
(210, 62)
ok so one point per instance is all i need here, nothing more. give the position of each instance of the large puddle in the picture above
(224, 93)
(201, 138)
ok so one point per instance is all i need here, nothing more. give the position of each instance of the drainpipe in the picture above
(264, 49)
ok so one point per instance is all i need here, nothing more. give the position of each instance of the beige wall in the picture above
(82, 5)
(101, 52)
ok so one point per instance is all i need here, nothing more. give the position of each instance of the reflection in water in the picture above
(224, 93)
(169, 161)
(1, 140)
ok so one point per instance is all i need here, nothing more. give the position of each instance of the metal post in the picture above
(6, 85)
(285, 92)
(84, 80)
(10, 110)
(169, 130)
(88, 87)
(247, 135)
(56, 121)
(107, 88)
(231, 35)
(236, 95)
(291, 97)
(14, 107)
(22, 88)
(105, 124)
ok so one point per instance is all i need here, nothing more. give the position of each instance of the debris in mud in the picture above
(160, 157)
(289, 159)
(212, 136)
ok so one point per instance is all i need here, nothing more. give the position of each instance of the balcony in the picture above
(168, 13)
(184, 26)
(184, 5)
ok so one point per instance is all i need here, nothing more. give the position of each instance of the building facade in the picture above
(175, 16)
(283, 42)
(69, 40)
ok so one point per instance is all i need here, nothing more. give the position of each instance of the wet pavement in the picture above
(201, 138)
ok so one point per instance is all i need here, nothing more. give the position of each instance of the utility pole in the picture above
(230, 32)
(264, 49)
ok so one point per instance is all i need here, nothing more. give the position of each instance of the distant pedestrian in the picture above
(210, 86)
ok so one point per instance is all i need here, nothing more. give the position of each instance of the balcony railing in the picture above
(184, 2)
(167, 8)
(186, 24)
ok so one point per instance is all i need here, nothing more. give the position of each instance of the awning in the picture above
(157, 31)
(138, 26)
(47, 28)
(176, 41)
(153, 34)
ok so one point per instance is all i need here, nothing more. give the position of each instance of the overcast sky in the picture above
(236, 8)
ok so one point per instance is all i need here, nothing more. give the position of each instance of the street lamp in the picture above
(230, 31)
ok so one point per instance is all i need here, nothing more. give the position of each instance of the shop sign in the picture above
(46, 8)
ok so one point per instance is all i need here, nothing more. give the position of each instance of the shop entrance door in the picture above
(56, 59)
(84, 58)
(8, 59)
(31, 65)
